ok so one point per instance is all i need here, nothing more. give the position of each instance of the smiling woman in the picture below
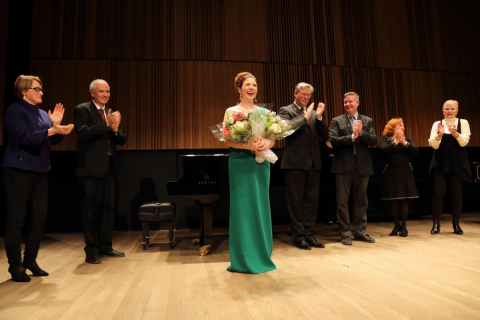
(251, 239)
(398, 182)
(449, 166)
(31, 132)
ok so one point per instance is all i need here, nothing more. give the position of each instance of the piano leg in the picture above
(206, 224)
(145, 231)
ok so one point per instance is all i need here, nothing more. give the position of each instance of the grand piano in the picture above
(205, 179)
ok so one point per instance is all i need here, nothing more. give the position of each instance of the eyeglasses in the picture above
(306, 95)
(37, 89)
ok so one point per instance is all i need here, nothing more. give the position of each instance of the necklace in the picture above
(450, 122)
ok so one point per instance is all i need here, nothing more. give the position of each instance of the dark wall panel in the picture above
(171, 64)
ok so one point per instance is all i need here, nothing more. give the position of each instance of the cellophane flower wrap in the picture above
(272, 127)
(242, 128)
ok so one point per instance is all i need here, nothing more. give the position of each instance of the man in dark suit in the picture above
(99, 132)
(351, 134)
(301, 165)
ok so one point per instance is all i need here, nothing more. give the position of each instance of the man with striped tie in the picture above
(351, 134)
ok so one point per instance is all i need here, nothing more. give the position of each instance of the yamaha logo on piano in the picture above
(206, 180)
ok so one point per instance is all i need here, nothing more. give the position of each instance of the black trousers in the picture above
(25, 192)
(455, 185)
(302, 188)
(97, 201)
(358, 184)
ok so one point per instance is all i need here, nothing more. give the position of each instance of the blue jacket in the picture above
(28, 144)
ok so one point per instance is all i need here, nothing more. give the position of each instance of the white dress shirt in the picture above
(462, 138)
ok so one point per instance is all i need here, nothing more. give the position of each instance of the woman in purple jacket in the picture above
(31, 132)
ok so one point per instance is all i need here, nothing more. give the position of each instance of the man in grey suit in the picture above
(301, 164)
(351, 134)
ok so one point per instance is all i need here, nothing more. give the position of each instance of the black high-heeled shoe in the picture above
(395, 230)
(404, 232)
(18, 274)
(36, 270)
(436, 227)
(456, 228)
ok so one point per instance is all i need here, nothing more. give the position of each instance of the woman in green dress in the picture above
(251, 239)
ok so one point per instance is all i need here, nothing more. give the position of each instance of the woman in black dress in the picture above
(398, 182)
(449, 166)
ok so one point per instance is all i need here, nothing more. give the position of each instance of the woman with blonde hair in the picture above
(31, 133)
(449, 166)
(398, 181)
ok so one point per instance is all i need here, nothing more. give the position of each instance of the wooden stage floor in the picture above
(418, 277)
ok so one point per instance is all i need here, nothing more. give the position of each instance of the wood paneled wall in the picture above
(171, 63)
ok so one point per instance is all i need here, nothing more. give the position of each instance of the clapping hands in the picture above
(399, 136)
(319, 112)
(441, 129)
(57, 128)
(357, 128)
(57, 115)
(56, 118)
(113, 120)
(453, 131)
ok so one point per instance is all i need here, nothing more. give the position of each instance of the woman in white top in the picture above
(449, 166)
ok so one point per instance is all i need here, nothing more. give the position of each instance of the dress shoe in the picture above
(395, 230)
(436, 227)
(347, 241)
(36, 270)
(302, 245)
(404, 232)
(456, 228)
(18, 274)
(93, 259)
(113, 253)
(364, 238)
(314, 243)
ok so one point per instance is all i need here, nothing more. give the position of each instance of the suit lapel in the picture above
(296, 110)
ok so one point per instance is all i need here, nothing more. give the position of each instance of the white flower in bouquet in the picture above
(275, 128)
(239, 125)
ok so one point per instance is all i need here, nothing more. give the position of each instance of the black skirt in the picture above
(398, 183)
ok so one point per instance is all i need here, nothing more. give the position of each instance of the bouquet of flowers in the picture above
(237, 127)
(272, 127)
(242, 128)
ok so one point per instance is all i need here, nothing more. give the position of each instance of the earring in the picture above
(23, 97)
(255, 99)
(240, 96)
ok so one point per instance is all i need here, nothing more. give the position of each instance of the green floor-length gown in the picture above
(251, 239)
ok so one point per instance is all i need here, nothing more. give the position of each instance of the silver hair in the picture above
(354, 94)
(452, 102)
(302, 85)
(93, 85)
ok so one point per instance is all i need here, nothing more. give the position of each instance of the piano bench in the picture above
(156, 212)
